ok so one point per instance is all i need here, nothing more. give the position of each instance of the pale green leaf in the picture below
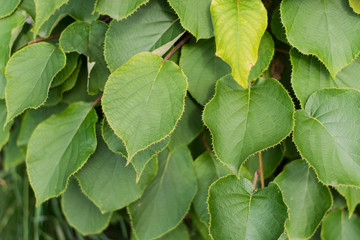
(81, 213)
(151, 93)
(352, 196)
(59, 147)
(239, 26)
(308, 200)
(245, 121)
(4, 130)
(337, 226)
(8, 7)
(207, 170)
(88, 39)
(327, 133)
(118, 9)
(10, 29)
(195, 16)
(324, 28)
(13, 156)
(109, 183)
(202, 68)
(310, 75)
(355, 4)
(175, 178)
(148, 29)
(65, 73)
(237, 212)
(28, 82)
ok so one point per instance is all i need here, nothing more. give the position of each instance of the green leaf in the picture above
(148, 29)
(194, 16)
(28, 81)
(352, 196)
(81, 213)
(109, 183)
(271, 159)
(312, 28)
(307, 199)
(310, 75)
(239, 26)
(245, 121)
(179, 233)
(10, 29)
(13, 156)
(327, 133)
(189, 126)
(88, 39)
(118, 9)
(276, 26)
(202, 68)
(8, 7)
(236, 212)
(355, 4)
(152, 95)
(58, 148)
(150, 219)
(207, 170)
(4, 129)
(338, 226)
(65, 73)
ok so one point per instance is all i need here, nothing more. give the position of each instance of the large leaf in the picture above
(195, 16)
(28, 82)
(151, 94)
(88, 39)
(4, 130)
(238, 27)
(8, 7)
(327, 133)
(108, 183)
(352, 196)
(167, 199)
(245, 121)
(235, 210)
(310, 75)
(337, 226)
(307, 199)
(118, 9)
(59, 147)
(148, 29)
(324, 28)
(355, 4)
(10, 28)
(81, 213)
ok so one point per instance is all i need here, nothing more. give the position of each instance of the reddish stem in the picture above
(177, 46)
(97, 100)
(204, 142)
(43, 39)
(281, 50)
(255, 179)
(261, 172)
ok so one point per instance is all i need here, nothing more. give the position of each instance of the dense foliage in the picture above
(179, 119)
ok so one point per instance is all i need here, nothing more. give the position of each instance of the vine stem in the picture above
(177, 46)
(261, 172)
(43, 39)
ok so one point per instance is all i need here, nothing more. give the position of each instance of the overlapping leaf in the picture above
(245, 121)
(239, 26)
(355, 4)
(337, 226)
(327, 132)
(352, 196)
(4, 130)
(59, 147)
(324, 28)
(235, 210)
(8, 7)
(118, 9)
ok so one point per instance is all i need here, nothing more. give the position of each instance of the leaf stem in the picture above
(282, 50)
(255, 179)
(43, 39)
(177, 46)
(97, 100)
(204, 142)
(261, 172)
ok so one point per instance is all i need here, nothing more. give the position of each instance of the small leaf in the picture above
(307, 199)
(13, 155)
(276, 26)
(4, 130)
(148, 29)
(8, 7)
(337, 226)
(28, 81)
(150, 219)
(81, 213)
(355, 4)
(327, 133)
(151, 93)
(58, 148)
(310, 75)
(239, 26)
(235, 210)
(109, 183)
(65, 73)
(313, 29)
(245, 121)
(195, 16)
(352, 196)
(118, 10)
